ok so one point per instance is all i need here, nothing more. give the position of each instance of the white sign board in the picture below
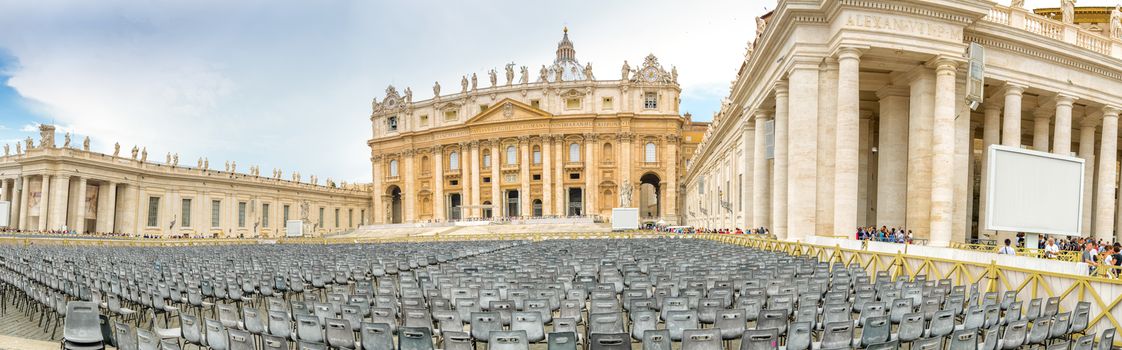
(625, 219)
(294, 228)
(1034, 192)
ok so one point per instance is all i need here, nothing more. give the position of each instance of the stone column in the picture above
(525, 209)
(475, 168)
(111, 218)
(779, 183)
(131, 212)
(848, 126)
(410, 190)
(1062, 143)
(747, 185)
(1087, 152)
(802, 153)
(60, 194)
(1011, 129)
(625, 148)
(44, 202)
(438, 206)
(496, 163)
(377, 172)
(761, 185)
(465, 179)
(547, 177)
(1041, 118)
(921, 120)
(669, 210)
(942, 146)
(864, 149)
(892, 153)
(22, 203)
(559, 148)
(4, 188)
(80, 212)
(589, 175)
(1107, 181)
(991, 134)
(962, 185)
(827, 138)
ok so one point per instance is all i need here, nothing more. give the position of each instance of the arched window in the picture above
(574, 152)
(650, 155)
(486, 158)
(537, 155)
(511, 155)
(393, 167)
(454, 161)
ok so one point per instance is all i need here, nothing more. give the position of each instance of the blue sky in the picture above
(287, 83)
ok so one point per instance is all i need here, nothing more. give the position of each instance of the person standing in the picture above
(1007, 249)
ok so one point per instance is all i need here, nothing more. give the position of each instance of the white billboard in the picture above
(294, 228)
(625, 219)
(5, 213)
(1034, 192)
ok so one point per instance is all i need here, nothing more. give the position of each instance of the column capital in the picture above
(438, 150)
(524, 139)
(781, 88)
(626, 136)
(944, 63)
(1063, 99)
(590, 137)
(849, 52)
(763, 114)
(473, 143)
(408, 152)
(1014, 89)
(1110, 111)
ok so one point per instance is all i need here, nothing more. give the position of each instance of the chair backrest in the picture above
(309, 328)
(1080, 317)
(215, 334)
(1086, 342)
(339, 333)
(1106, 341)
(241, 340)
(560, 341)
(701, 339)
(305, 345)
(942, 324)
(731, 322)
(964, 340)
(760, 339)
(511, 340)
(1060, 325)
(609, 341)
(125, 336)
(483, 323)
(837, 335)
(376, 336)
(270, 342)
(82, 324)
(888, 345)
(146, 340)
(1015, 334)
(990, 337)
(414, 338)
(929, 343)
(1040, 330)
(876, 329)
(609, 322)
(798, 336)
(656, 339)
(457, 341)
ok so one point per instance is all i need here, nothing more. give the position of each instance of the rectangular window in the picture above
(574, 176)
(483, 107)
(264, 215)
(362, 217)
(487, 179)
(536, 103)
(607, 103)
(284, 211)
(572, 103)
(215, 213)
(453, 182)
(537, 177)
(425, 120)
(336, 217)
(350, 218)
(650, 100)
(186, 212)
(153, 211)
(450, 114)
(241, 214)
(537, 156)
(321, 217)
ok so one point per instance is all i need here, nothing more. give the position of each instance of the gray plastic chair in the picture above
(776, 319)
(82, 325)
(559, 341)
(126, 337)
(798, 336)
(911, 327)
(146, 340)
(609, 341)
(700, 339)
(511, 340)
(836, 335)
(376, 336)
(309, 329)
(965, 339)
(1080, 317)
(1086, 342)
(483, 323)
(457, 341)
(241, 340)
(642, 321)
(888, 345)
(929, 343)
(760, 339)
(877, 329)
(339, 333)
(656, 339)
(1039, 331)
(731, 322)
(942, 324)
(989, 338)
(271, 342)
(414, 338)
(677, 322)
(1015, 334)
(1106, 340)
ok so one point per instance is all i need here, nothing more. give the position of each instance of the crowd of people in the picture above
(885, 234)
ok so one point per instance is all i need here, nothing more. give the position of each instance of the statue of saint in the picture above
(624, 71)
(175, 160)
(200, 163)
(227, 166)
(474, 81)
(206, 163)
(494, 77)
(436, 89)
(558, 74)
(168, 159)
(86, 144)
(588, 71)
(761, 24)
(408, 95)
(1067, 8)
(30, 143)
(116, 149)
(1116, 22)
(464, 84)
(144, 155)
(234, 166)
(6, 150)
(543, 75)
(1017, 4)
(374, 104)
(66, 141)
(134, 151)
(674, 74)
(525, 76)
(509, 74)
(18, 150)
